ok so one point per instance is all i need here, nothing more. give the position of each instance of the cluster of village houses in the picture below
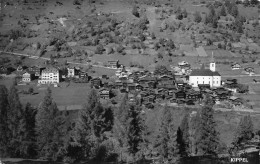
(181, 85)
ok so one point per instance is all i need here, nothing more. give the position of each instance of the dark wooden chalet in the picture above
(165, 78)
(181, 101)
(159, 96)
(173, 100)
(223, 95)
(123, 78)
(148, 99)
(131, 87)
(190, 102)
(6, 70)
(139, 87)
(143, 94)
(123, 90)
(151, 84)
(83, 75)
(180, 94)
(105, 93)
(96, 82)
(104, 77)
(113, 64)
(236, 101)
(203, 86)
(193, 95)
(36, 70)
(145, 86)
(118, 85)
(146, 79)
(180, 83)
(249, 69)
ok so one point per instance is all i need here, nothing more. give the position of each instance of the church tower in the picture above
(212, 65)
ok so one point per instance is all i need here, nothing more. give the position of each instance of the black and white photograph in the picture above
(129, 81)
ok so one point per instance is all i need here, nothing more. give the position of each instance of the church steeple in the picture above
(212, 65)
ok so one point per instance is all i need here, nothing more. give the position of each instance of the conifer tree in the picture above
(94, 120)
(135, 129)
(84, 126)
(184, 13)
(168, 141)
(254, 2)
(207, 137)
(234, 10)
(183, 135)
(4, 131)
(123, 108)
(14, 116)
(212, 11)
(195, 123)
(28, 147)
(164, 137)
(223, 11)
(244, 132)
(103, 120)
(49, 123)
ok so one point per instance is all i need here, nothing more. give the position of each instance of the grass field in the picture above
(74, 94)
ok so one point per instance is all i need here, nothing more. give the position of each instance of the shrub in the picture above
(120, 48)
(30, 90)
(135, 11)
(99, 49)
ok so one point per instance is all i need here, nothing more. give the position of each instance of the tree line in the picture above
(102, 132)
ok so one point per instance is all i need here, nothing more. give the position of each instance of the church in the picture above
(205, 76)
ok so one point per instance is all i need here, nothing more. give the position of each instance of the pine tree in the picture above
(71, 146)
(103, 120)
(245, 131)
(14, 116)
(212, 11)
(195, 123)
(49, 122)
(84, 126)
(123, 108)
(254, 2)
(168, 140)
(234, 10)
(197, 17)
(207, 137)
(179, 13)
(223, 11)
(246, 2)
(28, 148)
(4, 131)
(207, 20)
(164, 137)
(93, 121)
(184, 13)
(135, 128)
(184, 136)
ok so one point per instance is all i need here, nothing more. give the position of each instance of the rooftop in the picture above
(203, 72)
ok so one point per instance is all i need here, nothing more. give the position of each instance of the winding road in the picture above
(44, 58)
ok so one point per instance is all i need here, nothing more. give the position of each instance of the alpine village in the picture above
(129, 81)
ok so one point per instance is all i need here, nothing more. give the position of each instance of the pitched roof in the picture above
(50, 70)
(203, 72)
